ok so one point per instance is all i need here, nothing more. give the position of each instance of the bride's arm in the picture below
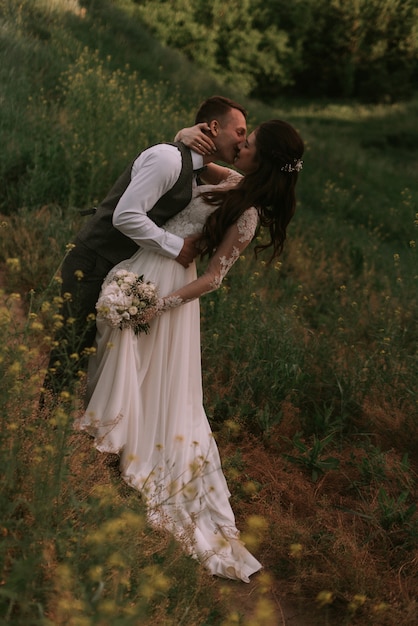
(215, 174)
(236, 239)
(194, 137)
(197, 139)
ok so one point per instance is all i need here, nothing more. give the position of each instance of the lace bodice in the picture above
(190, 221)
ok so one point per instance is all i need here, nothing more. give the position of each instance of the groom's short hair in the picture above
(217, 107)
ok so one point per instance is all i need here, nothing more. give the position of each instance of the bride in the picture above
(144, 394)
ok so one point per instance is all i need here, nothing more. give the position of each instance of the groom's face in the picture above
(228, 133)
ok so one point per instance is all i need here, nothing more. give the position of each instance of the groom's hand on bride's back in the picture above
(189, 251)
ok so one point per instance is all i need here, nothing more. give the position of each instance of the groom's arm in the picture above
(154, 173)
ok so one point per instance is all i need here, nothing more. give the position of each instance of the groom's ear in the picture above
(214, 128)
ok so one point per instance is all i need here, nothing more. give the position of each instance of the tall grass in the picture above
(310, 364)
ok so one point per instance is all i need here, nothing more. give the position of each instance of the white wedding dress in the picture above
(145, 403)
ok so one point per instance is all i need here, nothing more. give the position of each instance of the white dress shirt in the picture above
(154, 172)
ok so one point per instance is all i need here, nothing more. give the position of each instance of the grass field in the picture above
(310, 364)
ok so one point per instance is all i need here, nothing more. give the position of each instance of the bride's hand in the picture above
(148, 315)
(195, 138)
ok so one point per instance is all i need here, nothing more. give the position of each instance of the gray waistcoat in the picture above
(99, 233)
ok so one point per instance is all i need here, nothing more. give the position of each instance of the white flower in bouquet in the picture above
(125, 301)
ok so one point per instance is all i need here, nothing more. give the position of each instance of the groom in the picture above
(156, 186)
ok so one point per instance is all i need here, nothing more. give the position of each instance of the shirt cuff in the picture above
(173, 246)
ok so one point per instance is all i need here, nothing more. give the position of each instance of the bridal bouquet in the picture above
(125, 300)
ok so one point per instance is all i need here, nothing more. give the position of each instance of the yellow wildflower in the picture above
(324, 597)
(13, 264)
(296, 550)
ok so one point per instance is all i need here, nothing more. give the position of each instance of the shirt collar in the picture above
(197, 160)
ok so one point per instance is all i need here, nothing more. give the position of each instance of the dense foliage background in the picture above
(362, 48)
(310, 364)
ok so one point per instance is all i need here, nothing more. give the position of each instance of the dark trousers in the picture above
(83, 272)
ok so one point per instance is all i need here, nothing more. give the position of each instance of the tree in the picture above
(366, 48)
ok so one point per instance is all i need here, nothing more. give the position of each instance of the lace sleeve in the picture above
(233, 177)
(236, 239)
(220, 175)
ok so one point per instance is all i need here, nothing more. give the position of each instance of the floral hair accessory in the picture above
(296, 166)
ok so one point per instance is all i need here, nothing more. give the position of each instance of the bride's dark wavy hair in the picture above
(269, 188)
